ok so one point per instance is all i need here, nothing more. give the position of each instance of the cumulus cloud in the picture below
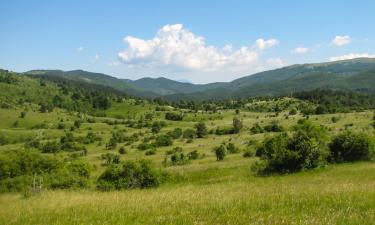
(300, 50)
(79, 49)
(175, 46)
(341, 40)
(275, 63)
(351, 56)
(263, 44)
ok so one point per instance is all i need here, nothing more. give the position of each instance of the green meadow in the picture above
(201, 191)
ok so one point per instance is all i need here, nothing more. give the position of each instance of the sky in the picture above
(197, 41)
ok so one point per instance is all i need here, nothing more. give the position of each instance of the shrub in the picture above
(176, 133)
(201, 129)
(293, 111)
(237, 125)
(163, 140)
(220, 152)
(22, 114)
(110, 158)
(349, 146)
(128, 175)
(156, 127)
(274, 127)
(122, 150)
(189, 133)
(150, 152)
(50, 147)
(20, 168)
(173, 116)
(306, 149)
(231, 148)
(248, 153)
(256, 129)
(193, 155)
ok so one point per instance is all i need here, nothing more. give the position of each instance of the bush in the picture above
(156, 127)
(220, 152)
(128, 175)
(306, 149)
(189, 133)
(163, 140)
(237, 125)
(122, 150)
(248, 153)
(256, 129)
(274, 127)
(231, 148)
(150, 152)
(201, 129)
(349, 146)
(176, 133)
(193, 155)
(18, 169)
(173, 116)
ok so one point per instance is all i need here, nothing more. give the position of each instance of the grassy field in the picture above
(222, 194)
(204, 191)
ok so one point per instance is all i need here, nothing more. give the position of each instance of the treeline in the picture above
(328, 101)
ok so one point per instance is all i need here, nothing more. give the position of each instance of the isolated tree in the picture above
(201, 129)
(237, 125)
(220, 152)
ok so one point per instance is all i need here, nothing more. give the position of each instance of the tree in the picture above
(156, 127)
(201, 129)
(237, 125)
(220, 152)
(349, 146)
(305, 149)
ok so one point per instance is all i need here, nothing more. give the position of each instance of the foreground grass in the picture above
(343, 194)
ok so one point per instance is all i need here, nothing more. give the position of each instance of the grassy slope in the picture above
(334, 195)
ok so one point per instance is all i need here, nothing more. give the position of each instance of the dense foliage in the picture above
(130, 174)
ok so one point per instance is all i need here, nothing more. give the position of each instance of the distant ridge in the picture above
(354, 75)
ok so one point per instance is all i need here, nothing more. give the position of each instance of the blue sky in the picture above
(201, 41)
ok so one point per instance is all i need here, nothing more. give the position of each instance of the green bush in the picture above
(201, 129)
(128, 175)
(305, 149)
(173, 116)
(220, 152)
(274, 127)
(175, 133)
(189, 133)
(193, 155)
(18, 170)
(163, 140)
(256, 129)
(349, 146)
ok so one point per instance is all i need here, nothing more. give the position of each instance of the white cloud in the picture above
(351, 56)
(176, 47)
(341, 40)
(300, 50)
(263, 44)
(97, 56)
(79, 49)
(275, 63)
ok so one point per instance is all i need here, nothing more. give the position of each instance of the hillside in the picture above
(352, 75)
(92, 78)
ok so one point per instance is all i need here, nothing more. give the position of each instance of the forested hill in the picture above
(347, 75)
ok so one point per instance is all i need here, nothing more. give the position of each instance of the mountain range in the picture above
(352, 75)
